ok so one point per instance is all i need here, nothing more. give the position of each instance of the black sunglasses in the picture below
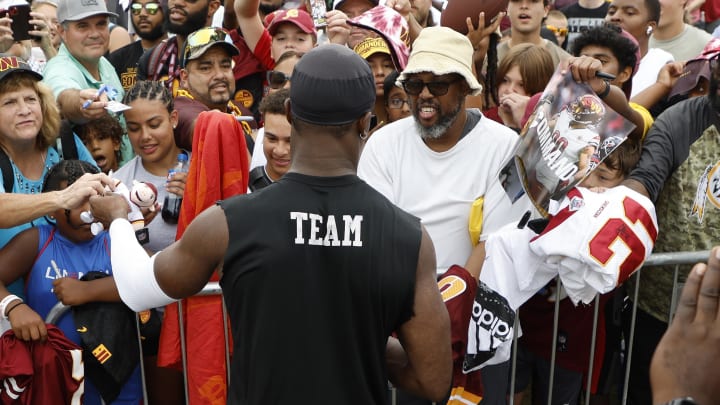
(277, 79)
(151, 8)
(414, 87)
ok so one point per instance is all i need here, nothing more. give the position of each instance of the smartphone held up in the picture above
(19, 12)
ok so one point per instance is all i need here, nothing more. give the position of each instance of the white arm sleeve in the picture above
(133, 270)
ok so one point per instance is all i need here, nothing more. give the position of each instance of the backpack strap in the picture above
(65, 143)
(7, 171)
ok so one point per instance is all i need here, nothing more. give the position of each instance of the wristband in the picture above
(604, 92)
(7, 316)
(4, 303)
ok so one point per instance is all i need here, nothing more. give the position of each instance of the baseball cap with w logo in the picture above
(76, 10)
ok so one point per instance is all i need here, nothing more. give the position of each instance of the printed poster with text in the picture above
(569, 133)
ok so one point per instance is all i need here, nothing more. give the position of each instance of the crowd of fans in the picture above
(118, 89)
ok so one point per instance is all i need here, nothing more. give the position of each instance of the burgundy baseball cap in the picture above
(696, 68)
(300, 18)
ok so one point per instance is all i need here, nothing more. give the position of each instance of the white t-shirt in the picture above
(258, 156)
(649, 68)
(440, 187)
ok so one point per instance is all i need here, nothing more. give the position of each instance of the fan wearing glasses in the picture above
(557, 23)
(147, 21)
(279, 78)
(207, 83)
(181, 18)
(443, 162)
(397, 103)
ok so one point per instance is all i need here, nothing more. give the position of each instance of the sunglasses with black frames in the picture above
(414, 87)
(276, 79)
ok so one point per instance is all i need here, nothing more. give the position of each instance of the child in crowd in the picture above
(287, 30)
(397, 103)
(52, 259)
(377, 54)
(615, 167)
(103, 137)
(557, 23)
(575, 322)
(525, 70)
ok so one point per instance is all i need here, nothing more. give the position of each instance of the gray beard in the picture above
(438, 130)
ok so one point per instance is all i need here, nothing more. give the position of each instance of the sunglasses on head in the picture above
(203, 37)
(151, 8)
(276, 80)
(556, 30)
(414, 87)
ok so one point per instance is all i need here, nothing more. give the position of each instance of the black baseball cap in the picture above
(10, 64)
(331, 85)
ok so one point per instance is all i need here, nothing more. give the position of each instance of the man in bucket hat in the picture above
(443, 162)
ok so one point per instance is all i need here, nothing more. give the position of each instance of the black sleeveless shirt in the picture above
(318, 273)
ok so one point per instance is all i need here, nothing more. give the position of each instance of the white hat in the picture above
(441, 51)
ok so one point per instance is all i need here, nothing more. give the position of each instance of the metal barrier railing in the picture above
(658, 259)
(60, 309)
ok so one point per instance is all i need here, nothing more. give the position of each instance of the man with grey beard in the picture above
(443, 162)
